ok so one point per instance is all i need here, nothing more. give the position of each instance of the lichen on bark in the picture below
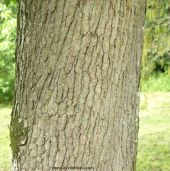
(18, 135)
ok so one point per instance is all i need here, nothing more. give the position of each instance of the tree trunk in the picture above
(77, 85)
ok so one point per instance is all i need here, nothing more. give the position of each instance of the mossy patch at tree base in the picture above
(18, 135)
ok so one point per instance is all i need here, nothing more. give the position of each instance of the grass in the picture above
(5, 151)
(159, 83)
(154, 134)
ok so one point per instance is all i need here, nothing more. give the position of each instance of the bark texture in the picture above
(77, 85)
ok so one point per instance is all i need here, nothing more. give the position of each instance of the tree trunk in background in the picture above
(77, 85)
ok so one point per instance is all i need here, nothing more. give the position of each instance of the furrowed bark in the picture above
(77, 85)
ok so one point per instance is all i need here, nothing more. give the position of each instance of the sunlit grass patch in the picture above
(154, 133)
(159, 83)
(5, 151)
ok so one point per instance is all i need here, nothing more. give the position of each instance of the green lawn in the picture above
(5, 151)
(154, 134)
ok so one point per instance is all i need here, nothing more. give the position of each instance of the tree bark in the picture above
(77, 85)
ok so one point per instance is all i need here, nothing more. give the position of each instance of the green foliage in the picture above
(157, 83)
(156, 53)
(7, 50)
(7, 2)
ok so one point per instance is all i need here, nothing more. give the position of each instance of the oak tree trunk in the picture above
(77, 85)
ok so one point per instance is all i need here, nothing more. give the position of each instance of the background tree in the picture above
(156, 56)
(77, 84)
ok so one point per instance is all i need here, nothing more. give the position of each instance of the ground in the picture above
(5, 152)
(154, 134)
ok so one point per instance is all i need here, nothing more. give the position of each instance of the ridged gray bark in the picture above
(77, 84)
